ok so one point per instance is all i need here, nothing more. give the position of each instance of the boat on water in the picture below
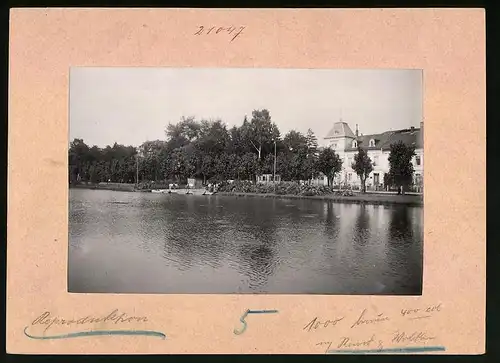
(163, 191)
(159, 191)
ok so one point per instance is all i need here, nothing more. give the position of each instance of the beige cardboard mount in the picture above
(447, 44)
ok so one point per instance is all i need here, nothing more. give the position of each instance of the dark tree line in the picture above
(208, 150)
(204, 149)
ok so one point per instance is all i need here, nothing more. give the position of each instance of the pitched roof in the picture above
(340, 129)
(412, 137)
(384, 140)
(364, 141)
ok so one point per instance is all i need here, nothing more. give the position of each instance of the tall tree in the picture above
(312, 143)
(78, 158)
(295, 142)
(260, 131)
(213, 137)
(329, 164)
(182, 133)
(312, 155)
(237, 143)
(247, 166)
(183, 163)
(362, 165)
(208, 167)
(151, 153)
(400, 165)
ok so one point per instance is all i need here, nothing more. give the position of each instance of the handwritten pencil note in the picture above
(370, 332)
(48, 326)
(232, 32)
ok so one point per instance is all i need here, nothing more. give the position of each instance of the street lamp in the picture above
(274, 173)
(137, 169)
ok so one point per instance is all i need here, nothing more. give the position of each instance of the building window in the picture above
(334, 146)
(418, 179)
(349, 177)
(375, 160)
(417, 160)
(354, 144)
(372, 143)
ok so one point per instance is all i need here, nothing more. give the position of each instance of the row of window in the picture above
(350, 160)
(371, 143)
(268, 178)
(377, 177)
(355, 144)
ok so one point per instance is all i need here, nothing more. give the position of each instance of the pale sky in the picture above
(132, 105)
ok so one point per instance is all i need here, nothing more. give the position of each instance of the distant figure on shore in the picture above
(210, 188)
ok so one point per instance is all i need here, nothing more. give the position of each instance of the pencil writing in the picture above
(235, 32)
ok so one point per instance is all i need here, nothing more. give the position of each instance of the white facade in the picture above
(344, 142)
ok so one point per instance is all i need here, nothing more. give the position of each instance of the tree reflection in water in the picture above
(257, 260)
(216, 244)
(405, 250)
(361, 227)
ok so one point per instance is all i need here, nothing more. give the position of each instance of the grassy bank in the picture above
(123, 187)
(294, 190)
(326, 195)
(120, 187)
(358, 198)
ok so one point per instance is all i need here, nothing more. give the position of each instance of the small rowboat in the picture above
(163, 191)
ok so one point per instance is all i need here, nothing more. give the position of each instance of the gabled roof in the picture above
(411, 137)
(384, 140)
(364, 141)
(340, 129)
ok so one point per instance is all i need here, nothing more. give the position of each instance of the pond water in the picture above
(126, 242)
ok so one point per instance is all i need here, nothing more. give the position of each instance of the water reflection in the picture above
(400, 226)
(141, 242)
(362, 226)
(257, 262)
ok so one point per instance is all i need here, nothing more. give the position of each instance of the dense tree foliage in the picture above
(329, 164)
(208, 150)
(400, 165)
(204, 149)
(94, 164)
(363, 166)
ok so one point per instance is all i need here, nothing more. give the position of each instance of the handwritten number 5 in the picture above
(244, 326)
(242, 319)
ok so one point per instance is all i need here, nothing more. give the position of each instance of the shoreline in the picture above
(358, 198)
(368, 198)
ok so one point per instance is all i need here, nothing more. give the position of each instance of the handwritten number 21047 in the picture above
(235, 31)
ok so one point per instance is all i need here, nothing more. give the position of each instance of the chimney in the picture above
(421, 134)
(357, 131)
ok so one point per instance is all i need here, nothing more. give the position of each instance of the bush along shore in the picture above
(293, 190)
(284, 190)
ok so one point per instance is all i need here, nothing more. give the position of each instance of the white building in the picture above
(345, 143)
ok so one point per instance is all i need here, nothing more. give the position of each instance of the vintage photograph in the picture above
(245, 181)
